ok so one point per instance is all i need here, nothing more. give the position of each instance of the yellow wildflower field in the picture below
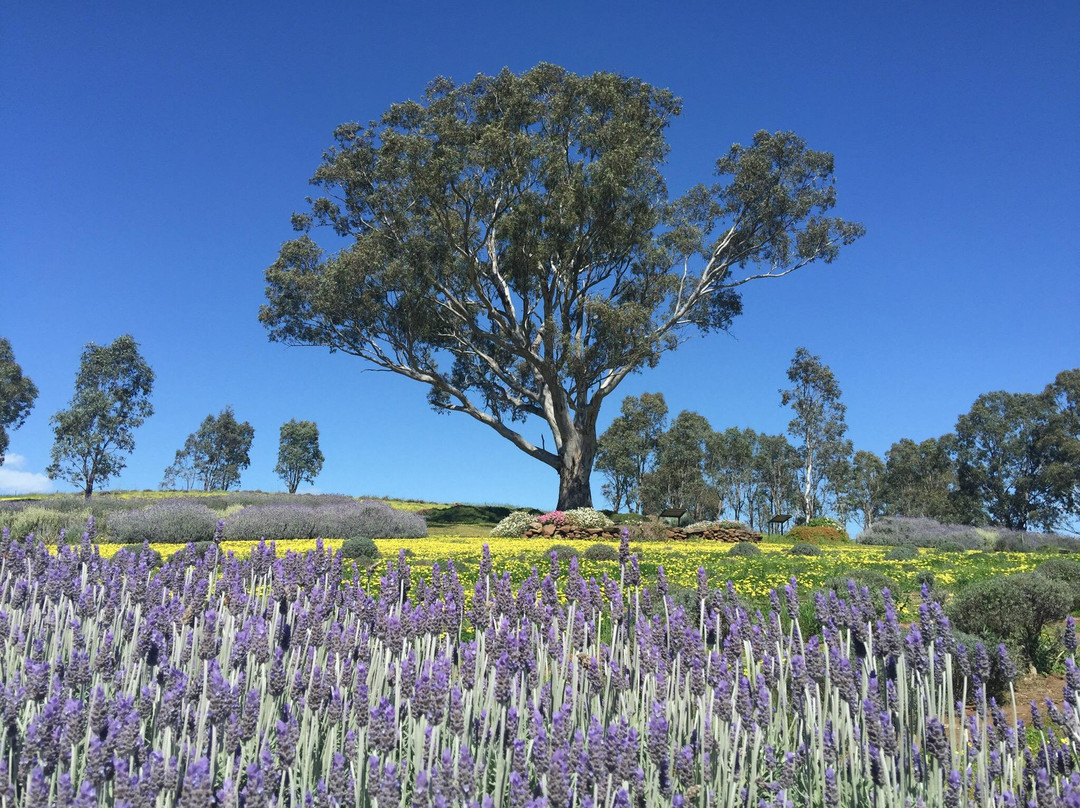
(752, 577)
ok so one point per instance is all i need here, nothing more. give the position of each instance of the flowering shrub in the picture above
(587, 518)
(816, 535)
(698, 526)
(271, 522)
(825, 521)
(46, 523)
(557, 518)
(920, 532)
(373, 519)
(513, 525)
(170, 521)
(273, 681)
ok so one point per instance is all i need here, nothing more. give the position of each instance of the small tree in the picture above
(17, 395)
(299, 457)
(678, 479)
(729, 468)
(776, 465)
(865, 492)
(112, 392)
(626, 450)
(183, 468)
(216, 453)
(818, 426)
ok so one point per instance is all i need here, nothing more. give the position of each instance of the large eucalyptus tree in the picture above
(510, 243)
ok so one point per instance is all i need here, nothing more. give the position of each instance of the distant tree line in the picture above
(95, 433)
(1013, 460)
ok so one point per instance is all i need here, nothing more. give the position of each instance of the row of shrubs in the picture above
(924, 532)
(46, 517)
(180, 521)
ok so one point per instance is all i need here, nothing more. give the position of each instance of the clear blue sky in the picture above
(151, 154)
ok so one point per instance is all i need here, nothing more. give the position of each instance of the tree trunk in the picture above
(88, 489)
(577, 460)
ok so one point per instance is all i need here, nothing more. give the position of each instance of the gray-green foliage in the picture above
(744, 549)
(803, 549)
(343, 520)
(1067, 572)
(359, 547)
(601, 552)
(111, 400)
(45, 523)
(171, 521)
(922, 532)
(299, 457)
(511, 246)
(17, 395)
(902, 552)
(1012, 608)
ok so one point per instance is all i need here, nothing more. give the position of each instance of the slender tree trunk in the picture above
(808, 490)
(88, 489)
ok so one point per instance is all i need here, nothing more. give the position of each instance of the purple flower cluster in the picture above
(342, 520)
(289, 681)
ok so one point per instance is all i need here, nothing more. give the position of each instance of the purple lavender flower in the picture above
(1005, 665)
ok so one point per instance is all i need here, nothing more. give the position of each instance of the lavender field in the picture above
(289, 681)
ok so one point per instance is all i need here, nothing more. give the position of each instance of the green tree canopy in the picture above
(864, 492)
(776, 465)
(215, 454)
(678, 480)
(17, 395)
(818, 426)
(1018, 455)
(299, 457)
(511, 245)
(729, 469)
(112, 399)
(628, 447)
(920, 479)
